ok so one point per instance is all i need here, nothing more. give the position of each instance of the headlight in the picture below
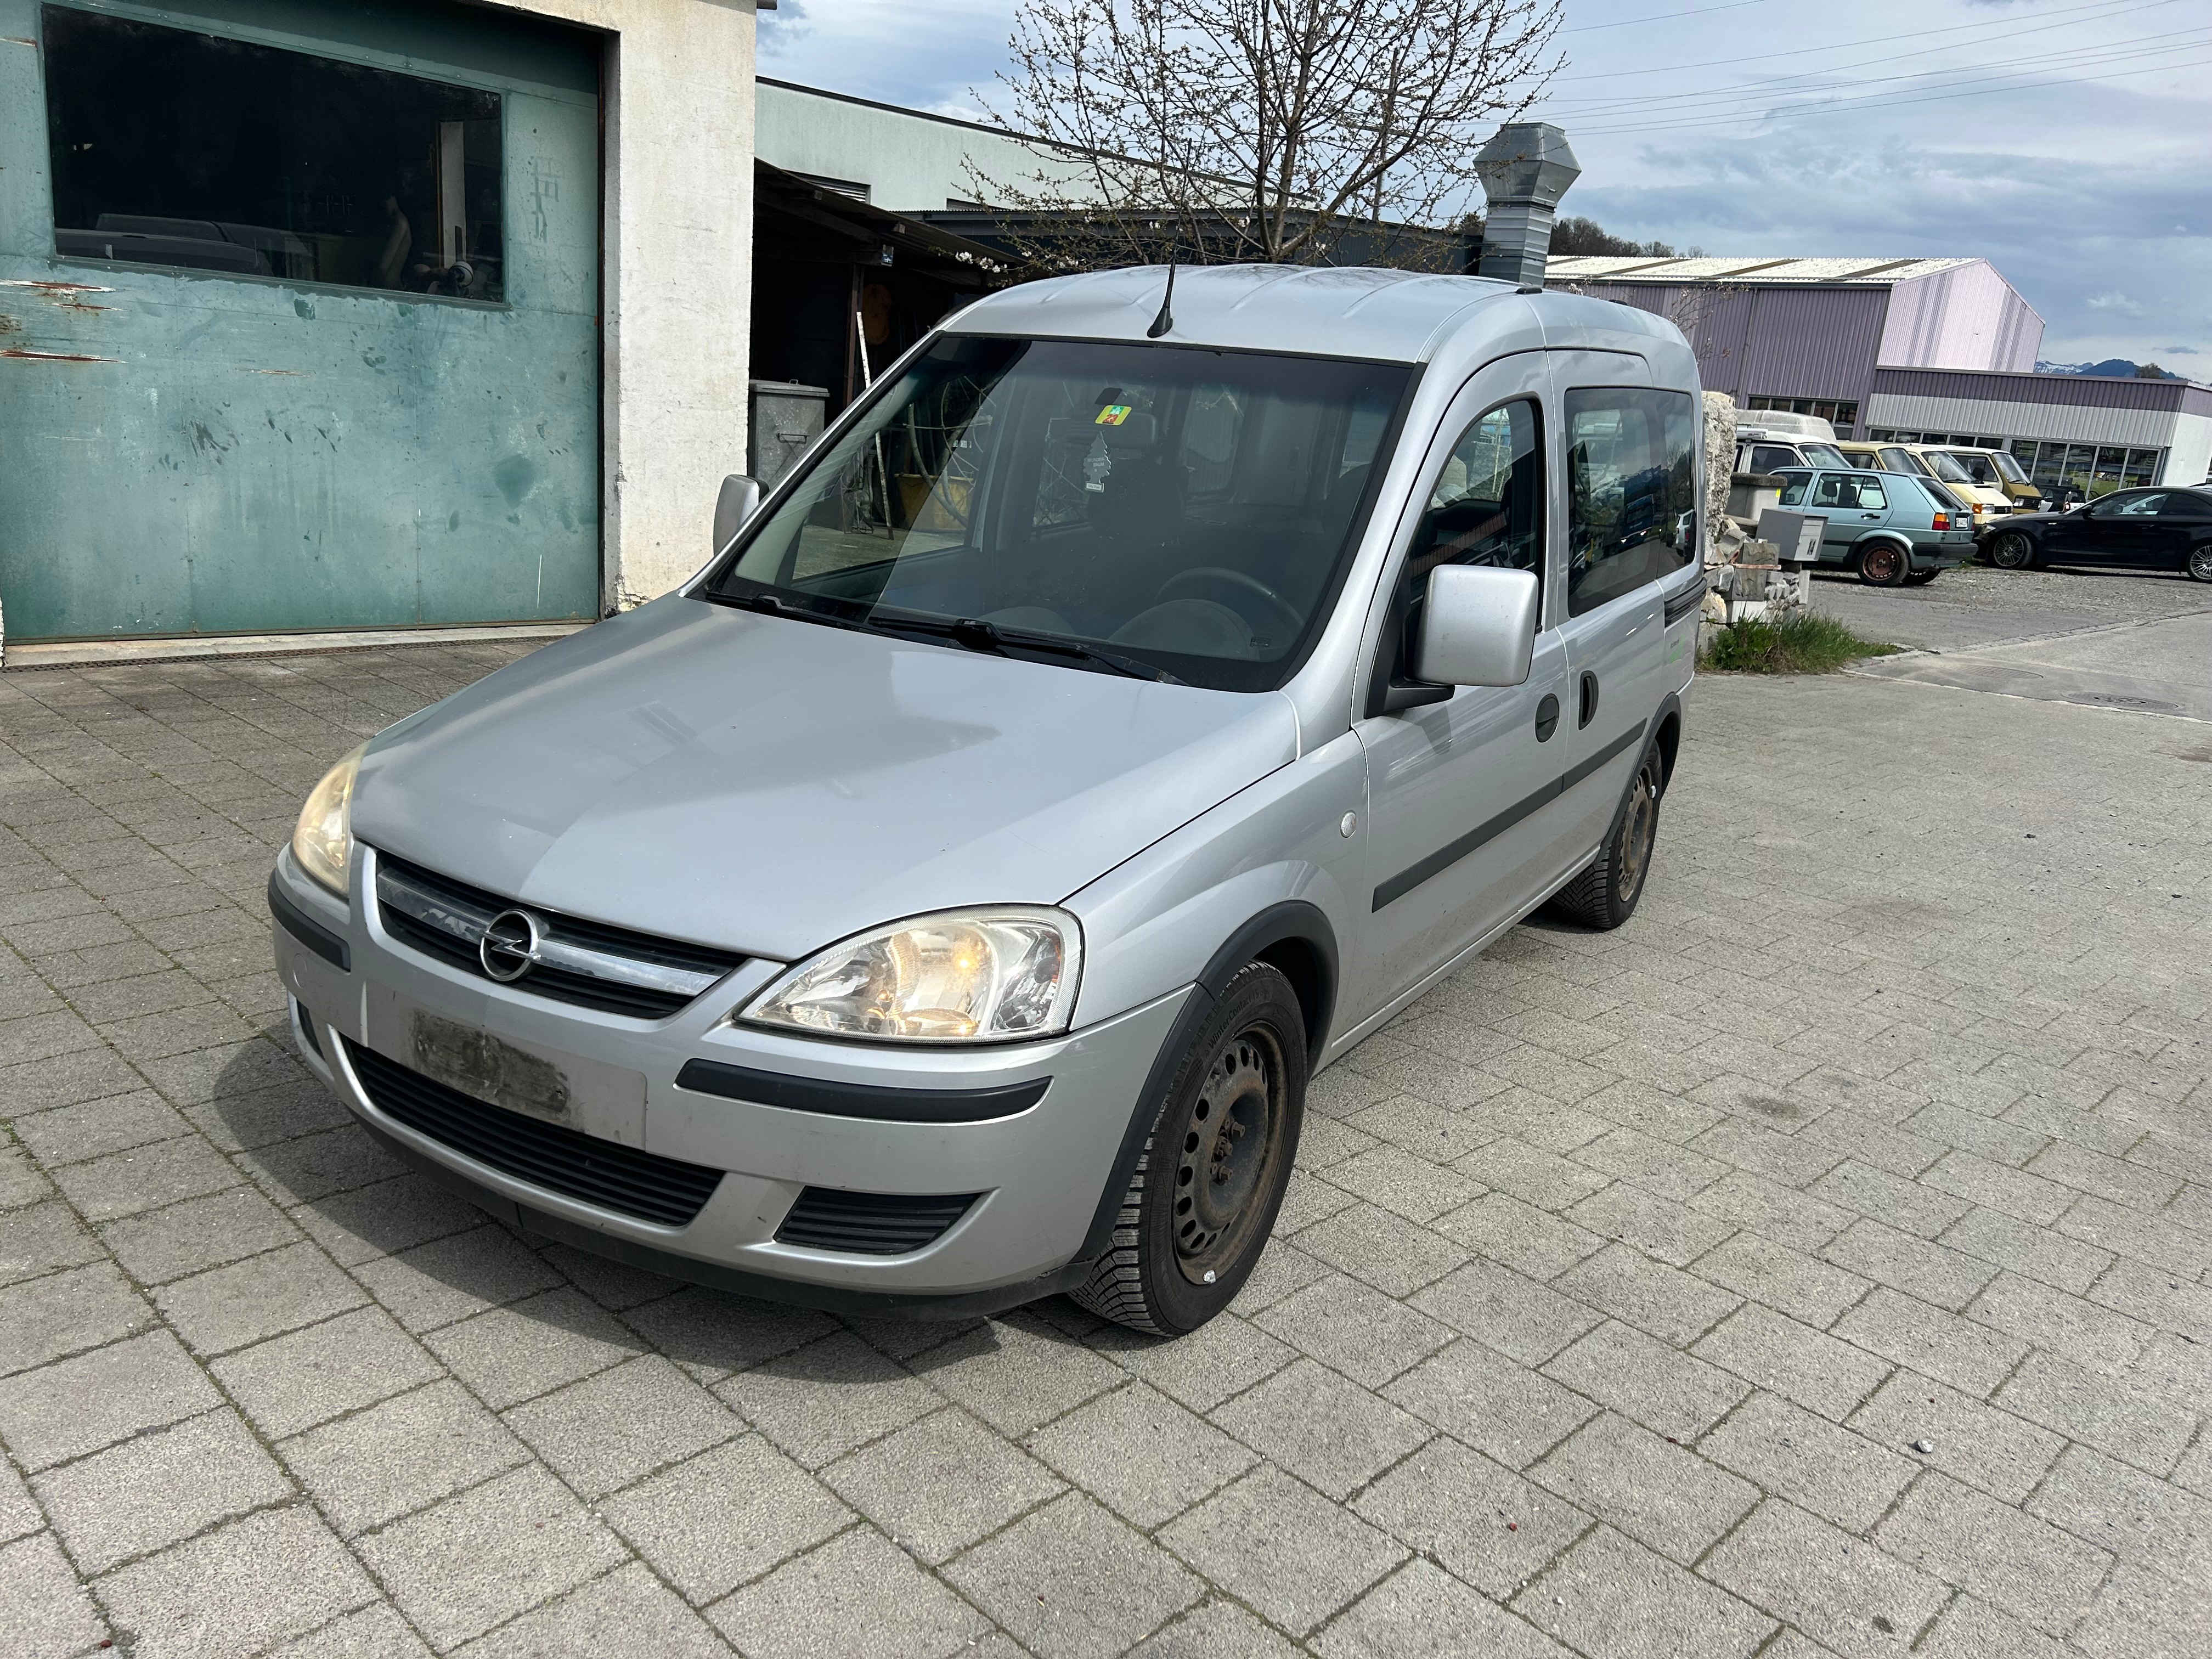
(323, 840)
(992, 975)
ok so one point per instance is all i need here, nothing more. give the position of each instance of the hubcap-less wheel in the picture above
(2200, 565)
(1882, 565)
(1639, 833)
(1196, 1214)
(2011, 551)
(1225, 1156)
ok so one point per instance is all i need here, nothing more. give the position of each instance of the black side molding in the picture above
(306, 929)
(1681, 604)
(1451, 852)
(866, 1100)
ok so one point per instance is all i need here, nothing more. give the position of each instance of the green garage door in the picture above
(298, 317)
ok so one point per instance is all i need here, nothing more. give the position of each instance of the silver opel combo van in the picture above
(943, 899)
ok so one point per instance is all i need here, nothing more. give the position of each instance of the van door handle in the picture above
(1547, 718)
(1589, 700)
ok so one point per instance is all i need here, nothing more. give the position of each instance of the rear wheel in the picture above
(1921, 578)
(1203, 1200)
(2200, 564)
(1605, 894)
(1884, 564)
(2011, 550)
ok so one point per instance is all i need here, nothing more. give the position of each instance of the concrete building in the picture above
(1942, 351)
(2093, 434)
(392, 314)
(1808, 334)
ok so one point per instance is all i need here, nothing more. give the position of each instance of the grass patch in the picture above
(1808, 643)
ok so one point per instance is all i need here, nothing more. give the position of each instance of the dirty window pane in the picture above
(175, 149)
(1632, 505)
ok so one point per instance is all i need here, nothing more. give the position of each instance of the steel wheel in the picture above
(1640, 832)
(1883, 564)
(1229, 1149)
(2011, 551)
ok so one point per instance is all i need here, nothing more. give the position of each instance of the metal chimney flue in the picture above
(1525, 169)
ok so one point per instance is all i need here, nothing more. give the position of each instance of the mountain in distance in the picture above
(2112, 369)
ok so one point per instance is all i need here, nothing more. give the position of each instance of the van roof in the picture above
(1338, 311)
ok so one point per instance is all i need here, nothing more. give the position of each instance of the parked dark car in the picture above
(2142, 529)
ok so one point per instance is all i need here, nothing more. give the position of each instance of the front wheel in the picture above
(2200, 564)
(1203, 1200)
(2011, 551)
(1884, 564)
(1604, 895)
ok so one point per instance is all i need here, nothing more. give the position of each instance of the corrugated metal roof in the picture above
(1744, 268)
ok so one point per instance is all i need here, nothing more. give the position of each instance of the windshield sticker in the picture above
(1113, 415)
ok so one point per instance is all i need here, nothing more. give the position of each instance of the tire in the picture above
(1605, 894)
(2198, 565)
(1922, 578)
(1884, 564)
(2009, 549)
(1199, 1209)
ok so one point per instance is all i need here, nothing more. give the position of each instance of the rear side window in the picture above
(1631, 498)
(1838, 490)
(1773, 458)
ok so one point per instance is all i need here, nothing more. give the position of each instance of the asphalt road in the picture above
(2107, 640)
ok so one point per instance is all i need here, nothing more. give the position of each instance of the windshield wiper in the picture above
(973, 633)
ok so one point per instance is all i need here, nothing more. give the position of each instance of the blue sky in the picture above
(2068, 143)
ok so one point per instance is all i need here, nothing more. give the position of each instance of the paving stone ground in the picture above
(1821, 1264)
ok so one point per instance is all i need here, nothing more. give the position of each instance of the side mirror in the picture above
(739, 499)
(1478, 626)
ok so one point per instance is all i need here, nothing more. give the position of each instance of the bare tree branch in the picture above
(1256, 129)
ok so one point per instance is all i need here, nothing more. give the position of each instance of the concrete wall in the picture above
(910, 161)
(678, 263)
(1967, 317)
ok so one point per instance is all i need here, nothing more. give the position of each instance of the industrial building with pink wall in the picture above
(1942, 351)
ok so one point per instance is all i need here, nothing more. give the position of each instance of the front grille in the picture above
(624, 1179)
(610, 968)
(871, 1223)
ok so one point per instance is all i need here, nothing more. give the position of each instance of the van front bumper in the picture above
(364, 1003)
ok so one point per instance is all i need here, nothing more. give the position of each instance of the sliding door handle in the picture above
(1589, 700)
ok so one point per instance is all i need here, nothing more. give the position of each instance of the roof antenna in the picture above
(1166, 320)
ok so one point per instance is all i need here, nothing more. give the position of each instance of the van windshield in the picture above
(1822, 454)
(1944, 467)
(1180, 513)
(2008, 469)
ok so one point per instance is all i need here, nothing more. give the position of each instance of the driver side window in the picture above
(1487, 507)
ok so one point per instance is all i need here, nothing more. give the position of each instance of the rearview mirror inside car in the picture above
(1478, 626)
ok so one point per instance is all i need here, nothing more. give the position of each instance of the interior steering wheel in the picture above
(1293, 619)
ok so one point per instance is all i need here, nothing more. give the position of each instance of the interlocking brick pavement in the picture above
(1821, 1264)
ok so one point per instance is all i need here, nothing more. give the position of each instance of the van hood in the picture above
(769, 786)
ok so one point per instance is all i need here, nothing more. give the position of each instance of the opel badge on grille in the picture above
(508, 949)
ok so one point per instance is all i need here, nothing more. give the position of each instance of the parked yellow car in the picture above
(1987, 503)
(1995, 469)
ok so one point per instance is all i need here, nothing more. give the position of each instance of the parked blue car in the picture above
(1890, 528)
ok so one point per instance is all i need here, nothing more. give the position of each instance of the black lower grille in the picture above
(307, 1028)
(624, 1179)
(871, 1223)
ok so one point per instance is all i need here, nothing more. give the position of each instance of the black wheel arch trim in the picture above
(1285, 921)
(301, 925)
